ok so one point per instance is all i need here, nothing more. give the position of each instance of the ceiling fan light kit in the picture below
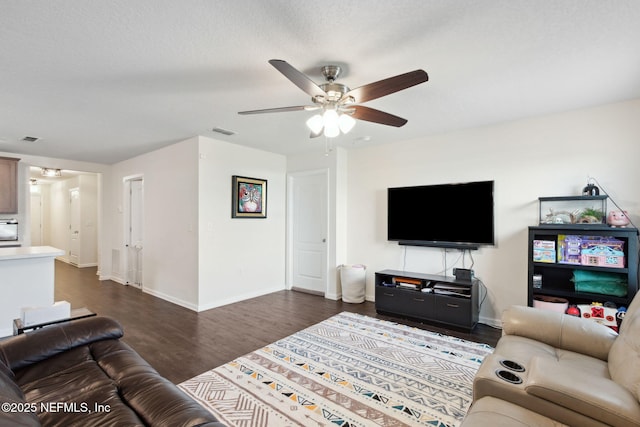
(330, 123)
(346, 123)
(337, 102)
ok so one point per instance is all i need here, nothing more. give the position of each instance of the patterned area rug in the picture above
(349, 370)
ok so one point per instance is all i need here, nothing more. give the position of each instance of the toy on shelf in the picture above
(618, 219)
(544, 251)
(573, 310)
(599, 313)
(569, 248)
(603, 256)
(620, 315)
(602, 252)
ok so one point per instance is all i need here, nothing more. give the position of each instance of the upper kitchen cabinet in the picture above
(8, 185)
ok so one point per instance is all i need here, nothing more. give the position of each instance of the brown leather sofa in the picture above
(573, 371)
(81, 374)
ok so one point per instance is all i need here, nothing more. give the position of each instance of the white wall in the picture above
(545, 156)
(194, 254)
(170, 253)
(239, 258)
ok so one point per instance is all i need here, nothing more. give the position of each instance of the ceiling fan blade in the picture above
(299, 79)
(315, 135)
(280, 110)
(387, 86)
(376, 116)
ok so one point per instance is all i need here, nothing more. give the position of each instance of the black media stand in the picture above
(427, 297)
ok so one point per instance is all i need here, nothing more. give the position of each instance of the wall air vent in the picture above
(30, 139)
(223, 131)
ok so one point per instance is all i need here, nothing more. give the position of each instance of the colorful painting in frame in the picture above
(249, 197)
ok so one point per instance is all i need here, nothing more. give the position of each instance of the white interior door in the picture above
(308, 204)
(74, 225)
(135, 232)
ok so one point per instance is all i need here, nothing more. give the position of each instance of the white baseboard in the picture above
(494, 323)
(89, 264)
(155, 293)
(333, 296)
(237, 298)
(112, 278)
(171, 299)
(85, 265)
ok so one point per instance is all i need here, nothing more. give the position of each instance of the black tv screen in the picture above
(446, 215)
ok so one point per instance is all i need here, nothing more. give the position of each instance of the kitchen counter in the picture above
(24, 252)
(27, 278)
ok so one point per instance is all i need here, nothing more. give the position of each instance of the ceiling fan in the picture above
(339, 105)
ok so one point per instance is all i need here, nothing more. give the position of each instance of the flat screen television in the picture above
(446, 215)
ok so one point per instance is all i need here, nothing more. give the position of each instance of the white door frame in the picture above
(74, 228)
(290, 226)
(126, 181)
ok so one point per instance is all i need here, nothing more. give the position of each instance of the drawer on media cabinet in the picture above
(407, 302)
(454, 310)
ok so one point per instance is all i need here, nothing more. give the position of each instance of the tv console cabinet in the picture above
(426, 297)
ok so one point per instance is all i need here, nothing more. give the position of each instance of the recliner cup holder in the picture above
(513, 366)
(508, 376)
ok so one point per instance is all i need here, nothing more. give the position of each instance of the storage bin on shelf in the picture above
(545, 302)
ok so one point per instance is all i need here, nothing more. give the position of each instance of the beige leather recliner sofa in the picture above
(552, 369)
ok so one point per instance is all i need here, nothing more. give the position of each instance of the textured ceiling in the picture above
(103, 81)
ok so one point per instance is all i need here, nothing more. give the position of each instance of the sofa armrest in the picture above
(594, 396)
(26, 349)
(559, 330)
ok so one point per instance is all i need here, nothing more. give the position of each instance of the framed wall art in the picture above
(249, 197)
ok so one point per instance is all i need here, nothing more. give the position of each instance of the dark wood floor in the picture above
(180, 343)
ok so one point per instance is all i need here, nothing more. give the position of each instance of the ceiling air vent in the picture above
(30, 139)
(223, 131)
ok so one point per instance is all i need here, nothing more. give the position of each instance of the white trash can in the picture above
(353, 280)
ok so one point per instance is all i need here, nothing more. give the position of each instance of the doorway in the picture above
(134, 230)
(308, 230)
(63, 213)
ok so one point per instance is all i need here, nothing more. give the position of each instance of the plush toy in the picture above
(618, 219)
(620, 315)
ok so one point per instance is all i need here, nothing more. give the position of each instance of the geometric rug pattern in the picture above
(349, 370)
